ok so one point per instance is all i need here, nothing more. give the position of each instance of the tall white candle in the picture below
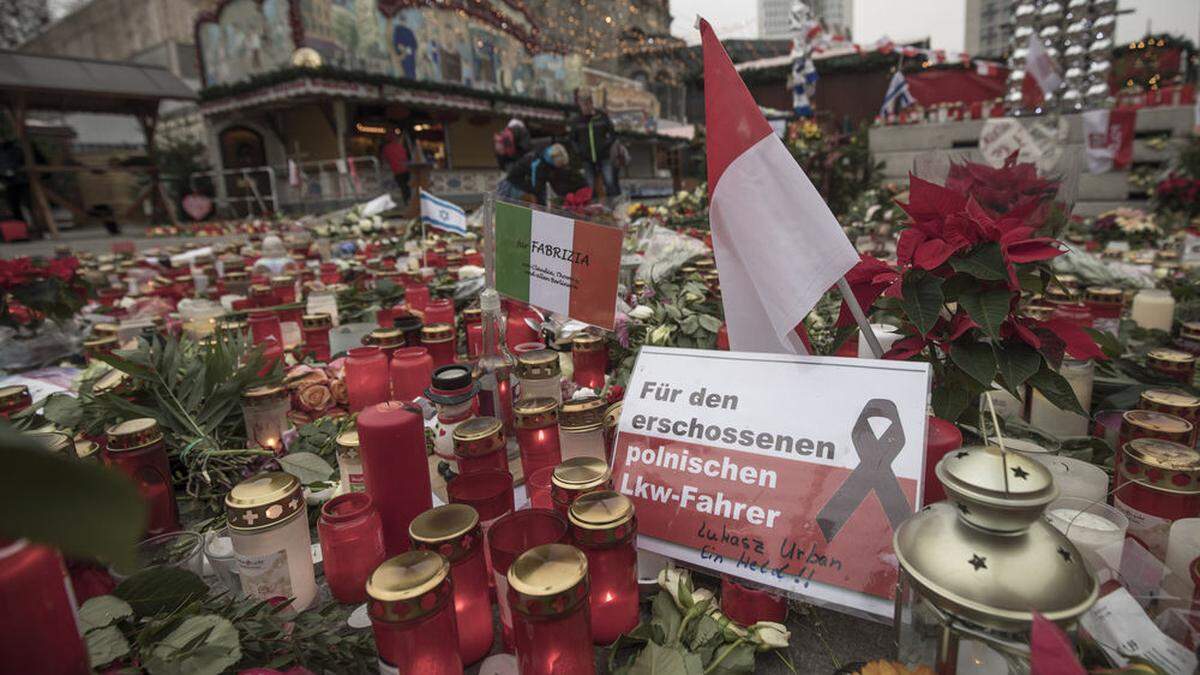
(1048, 417)
(1076, 478)
(1153, 308)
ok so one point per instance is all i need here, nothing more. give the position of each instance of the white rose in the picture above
(641, 313)
(470, 272)
(770, 635)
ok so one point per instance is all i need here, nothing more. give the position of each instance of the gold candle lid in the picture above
(451, 530)
(105, 329)
(1038, 312)
(586, 342)
(1163, 465)
(264, 500)
(580, 473)
(1157, 422)
(437, 332)
(689, 269)
(478, 436)
(472, 315)
(385, 338)
(539, 364)
(1104, 294)
(265, 393)
(347, 444)
(233, 325)
(602, 517)
(261, 290)
(321, 320)
(1190, 330)
(112, 382)
(705, 263)
(1170, 398)
(14, 393)
(548, 580)
(106, 343)
(535, 413)
(612, 417)
(1060, 294)
(1166, 356)
(282, 281)
(583, 414)
(236, 275)
(409, 586)
(55, 441)
(133, 434)
(85, 449)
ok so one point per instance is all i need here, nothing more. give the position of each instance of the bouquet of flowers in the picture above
(35, 289)
(1124, 224)
(1178, 194)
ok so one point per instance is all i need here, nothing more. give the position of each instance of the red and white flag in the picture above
(777, 244)
(1041, 67)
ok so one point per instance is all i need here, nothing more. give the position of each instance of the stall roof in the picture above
(74, 84)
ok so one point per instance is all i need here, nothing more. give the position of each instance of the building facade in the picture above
(774, 24)
(989, 27)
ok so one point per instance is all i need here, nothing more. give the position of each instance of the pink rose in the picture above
(338, 389)
(314, 398)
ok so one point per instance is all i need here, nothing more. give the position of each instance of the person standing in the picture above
(511, 143)
(395, 153)
(592, 135)
(528, 177)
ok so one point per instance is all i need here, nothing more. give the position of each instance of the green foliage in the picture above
(922, 300)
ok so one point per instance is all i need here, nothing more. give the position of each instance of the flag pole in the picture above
(424, 248)
(861, 319)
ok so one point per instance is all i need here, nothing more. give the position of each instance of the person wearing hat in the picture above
(512, 143)
(529, 176)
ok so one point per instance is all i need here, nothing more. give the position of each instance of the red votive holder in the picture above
(548, 592)
(440, 310)
(330, 274)
(490, 493)
(135, 448)
(516, 331)
(509, 537)
(454, 531)
(941, 438)
(417, 297)
(386, 316)
(351, 537)
(438, 338)
(263, 326)
(723, 338)
(577, 476)
(411, 371)
(412, 615)
(13, 399)
(604, 527)
(527, 347)
(590, 359)
(474, 340)
(537, 433)
(387, 339)
(34, 593)
(391, 441)
(366, 377)
(747, 603)
(479, 445)
(315, 332)
(1159, 483)
(537, 488)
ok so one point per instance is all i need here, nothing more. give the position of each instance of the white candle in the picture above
(1076, 478)
(1183, 546)
(1050, 418)
(885, 333)
(1153, 308)
(1096, 529)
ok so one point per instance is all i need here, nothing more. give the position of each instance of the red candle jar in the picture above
(548, 592)
(479, 445)
(453, 531)
(366, 377)
(391, 442)
(351, 536)
(13, 399)
(438, 338)
(590, 359)
(577, 476)
(35, 593)
(262, 295)
(1074, 312)
(516, 331)
(1178, 403)
(265, 326)
(98, 346)
(474, 340)
(316, 335)
(412, 615)
(747, 603)
(386, 316)
(387, 339)
(440, 310)
(417, 296)
(1106, 306)
(411, 371)
(136, 449)
(1160, 483)
(472, 316)
(941, 438)
(284, 288)
(1172, 364)
(1150, 424)
(489, 492)
(410, 326)
(604, 527)
(537, 488)
(330, 274)
(537, 433)
(509, 537)
(723, 338)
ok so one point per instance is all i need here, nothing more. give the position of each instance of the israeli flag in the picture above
(897, 97)
(439, 213)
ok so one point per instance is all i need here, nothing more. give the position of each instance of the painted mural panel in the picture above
(248, 38)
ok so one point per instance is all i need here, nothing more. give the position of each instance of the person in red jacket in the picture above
(395, 153)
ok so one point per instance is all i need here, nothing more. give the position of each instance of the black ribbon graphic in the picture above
(873, 473)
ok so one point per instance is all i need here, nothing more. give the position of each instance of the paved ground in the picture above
(96, 240)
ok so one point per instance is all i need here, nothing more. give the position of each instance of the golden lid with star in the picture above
(452, 530)
(548, 580)
(409, 586)
(263, 501)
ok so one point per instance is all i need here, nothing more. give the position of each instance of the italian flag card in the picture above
(558, 263)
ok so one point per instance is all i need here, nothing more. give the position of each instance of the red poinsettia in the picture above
(1012, 188)
(32, 289)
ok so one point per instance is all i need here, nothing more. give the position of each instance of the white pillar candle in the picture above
(1076, 478)
(1153, 308)
(1050, 418)
(885, 333)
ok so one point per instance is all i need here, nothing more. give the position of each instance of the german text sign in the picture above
(790, 471)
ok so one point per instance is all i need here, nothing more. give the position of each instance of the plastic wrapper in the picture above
(51, 342)
(666, 251)
(1092, 271)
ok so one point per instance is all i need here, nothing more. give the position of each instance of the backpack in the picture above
(505, 143)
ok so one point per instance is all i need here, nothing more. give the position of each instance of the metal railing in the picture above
(316, 186)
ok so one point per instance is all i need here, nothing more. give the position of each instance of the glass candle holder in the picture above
(1158, 483)
(581, 428)
(417, 296)
(1153, 308)
(136, 449)
(490, 493)
(941, 438)
(367, 381)
(268, 523)
(412, 615)
(440, 310)
(35, 592)
(1106, 306)
(747, 603)
(315, 331)
(454, 531)
(577, 476)
(262, 295)
(523, 348)
(350, 467)
(516, 330)
(537, 433)
(392, 444)
(604, 527)
(265, 326)
(1172, 364)
(387, 339)
(1075, 477)
(509, 537)
(351, 536)
(1178, 403)
(548, 592)
(472, 316)
(265, 410)
(411, 372)
(537, 488)
(479, 445)
(539, 375)
(438, 338)
(590, 357)
(1096, 529)
(13, 399)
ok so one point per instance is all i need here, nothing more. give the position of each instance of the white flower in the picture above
(470, 272)
(770, 635)
(641, 313)
(660, 335)
(702, 594)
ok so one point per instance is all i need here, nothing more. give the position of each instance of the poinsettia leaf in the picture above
(1017, 363)
(160, 589)
(1107, 342)
(950, 402)
(1079, 343)
(105, 645)
(1033, 250)
(975, 359)
(984, 262)
(922, 300)
(1057, 390)
(306, 466)
(988, 309)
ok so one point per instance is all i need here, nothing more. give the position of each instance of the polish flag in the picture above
(778, 246)
(1041, 73)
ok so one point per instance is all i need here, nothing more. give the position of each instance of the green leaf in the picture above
(1018, 362)
(922, 300)
(657, 660)
(975, 359)
(706, 637)
(201, 645)
(950, 402)
(306, 466)
(84, 509)
(988, 309)
(1108, 342)
(101, 611)
(690, 324)
(739, 660)
(985, 262)
(160, 589)
(106, 645)
(1057, 390)
(710, 323)
(665, 615)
